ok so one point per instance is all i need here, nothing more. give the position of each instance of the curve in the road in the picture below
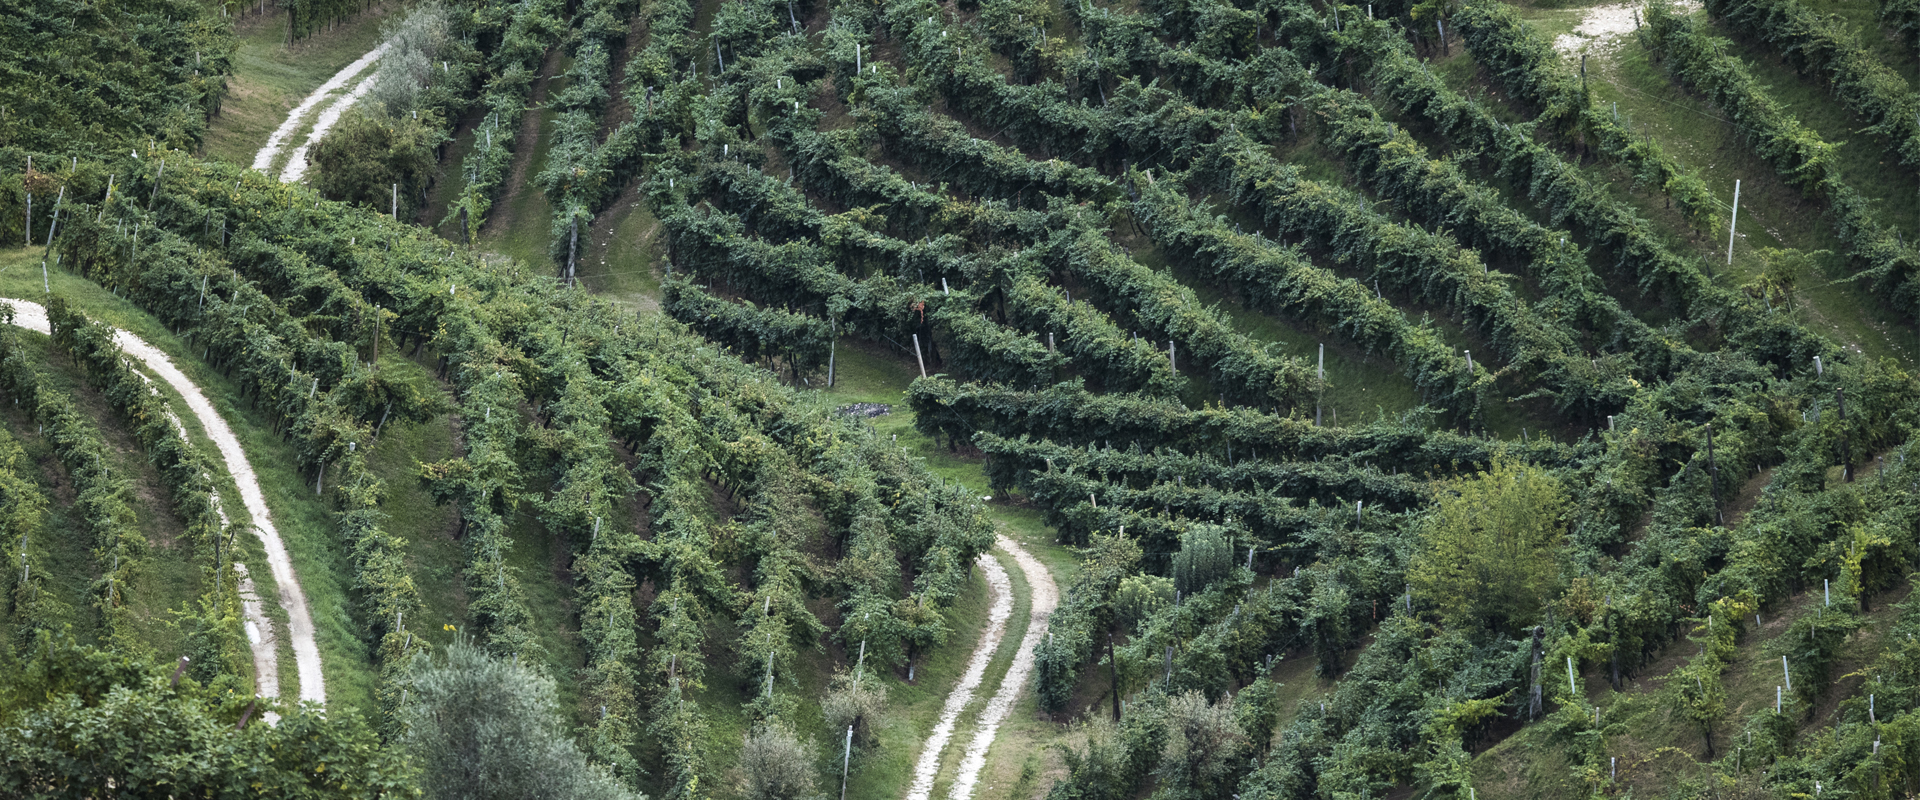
(306, 653)
(297, 163)
(1045, 597)
(1000, 609)
(263, 160)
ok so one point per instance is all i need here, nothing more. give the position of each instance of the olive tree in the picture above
(483, 727)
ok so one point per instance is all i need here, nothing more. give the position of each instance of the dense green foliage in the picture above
(73, 81)
(1111, 238)
(81, 722)
(480, 726)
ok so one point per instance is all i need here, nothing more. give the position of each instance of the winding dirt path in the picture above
(263, 160)
(1000, 590)
(1046, 596)
(33, 316)
(297, 163)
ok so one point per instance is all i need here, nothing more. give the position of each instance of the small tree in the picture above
(414, 44)
(1205, 556)
(774, 765)
(1138, 597)
(366, 153)
(1490, 552)
(860, 704)
(482, 727)
(1205, 748)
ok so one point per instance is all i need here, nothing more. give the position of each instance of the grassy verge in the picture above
(1772, 214)
(1657, 746)
(271, 76)
(304, 522)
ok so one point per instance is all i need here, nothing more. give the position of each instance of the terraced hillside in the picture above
(766, 396)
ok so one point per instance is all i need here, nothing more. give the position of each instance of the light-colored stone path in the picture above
(306, 653)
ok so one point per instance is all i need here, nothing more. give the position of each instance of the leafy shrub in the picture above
(1490, 550)
(485, 727)
(365, 155)
(1204, 748)
(1138, 597)
(774, 765)
(1205, 556)
(859, 705)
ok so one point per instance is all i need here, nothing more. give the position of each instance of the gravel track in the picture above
(33, 316)
(263, 160)
(1000, 589)
(1045, 597)
(297, 163)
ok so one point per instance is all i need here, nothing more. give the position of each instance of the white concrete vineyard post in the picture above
(1733, 221)
(917, 357)
(573, 245)
(103, 200)
(55, 225)
(846, 759)
(150, 198)
(1320, 375)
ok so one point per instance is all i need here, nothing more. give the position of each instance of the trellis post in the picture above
(1733, 221)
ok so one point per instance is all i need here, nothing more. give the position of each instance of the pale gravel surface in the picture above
(999, 588)
(297, 163)
(1606, 25)
(1045, 597)
(266, 658)
(263, 160)
(33, 316)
